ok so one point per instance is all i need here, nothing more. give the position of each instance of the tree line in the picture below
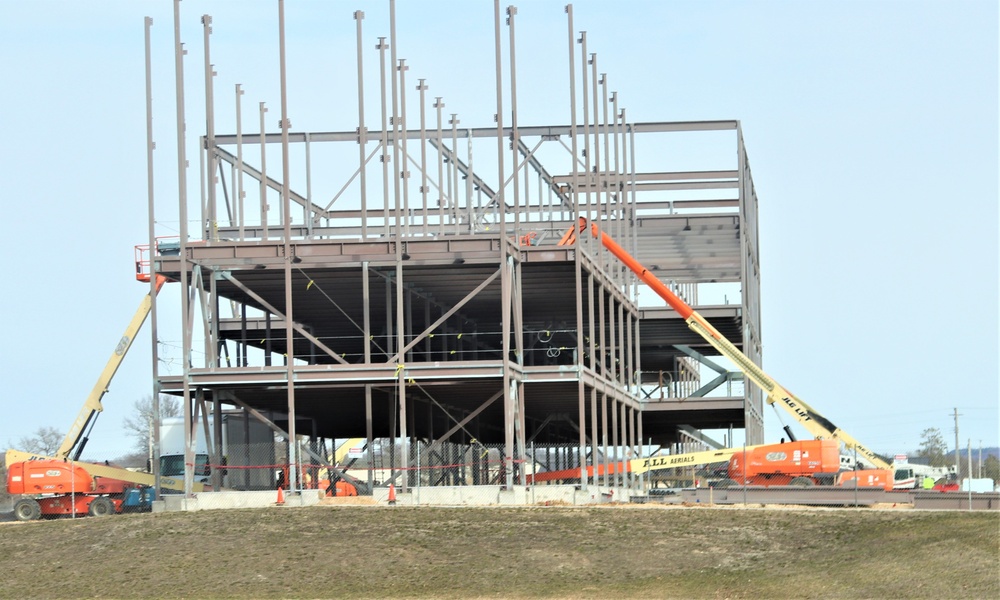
(137, 426)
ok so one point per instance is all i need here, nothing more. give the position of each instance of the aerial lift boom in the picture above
(76, 437)
(642, 465)
(60, 477)
(816, 424)
(805, 463)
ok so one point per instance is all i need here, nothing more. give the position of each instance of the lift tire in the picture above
(802, 482)
(726, 484)
(27, 509)
(101, 506)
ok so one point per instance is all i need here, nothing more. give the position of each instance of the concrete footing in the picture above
(485, 495)
(480, 495)
(225, 500)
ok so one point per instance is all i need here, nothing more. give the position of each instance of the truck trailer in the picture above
(246, 461)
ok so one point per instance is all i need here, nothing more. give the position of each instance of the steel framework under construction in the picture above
(422, 292)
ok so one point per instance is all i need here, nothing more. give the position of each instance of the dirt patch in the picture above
(348, 501)
(892, 506)
(554, 503)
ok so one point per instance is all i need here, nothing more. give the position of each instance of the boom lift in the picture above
(65, 486)
(799, 463)
(815, 423)
(76, 438)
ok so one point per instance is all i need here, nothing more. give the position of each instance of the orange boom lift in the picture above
(804, 462)
(59, 485)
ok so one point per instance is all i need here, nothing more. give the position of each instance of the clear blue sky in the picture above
(871, 128)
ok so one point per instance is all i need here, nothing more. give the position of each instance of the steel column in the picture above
(362, 131)
(384, 142)
(515, 137)
(422, 88)
(182, 202)
(151, 224)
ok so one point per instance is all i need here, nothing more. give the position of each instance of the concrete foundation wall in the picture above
(488, 495)
(481, 495)
(224, 500)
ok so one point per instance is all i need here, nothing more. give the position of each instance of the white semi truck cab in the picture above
(248, 451)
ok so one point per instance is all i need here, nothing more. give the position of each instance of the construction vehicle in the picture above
(799, 463)
(60, 485)
(333, 482)
(70, 488)
(911, 476)
(816, 424)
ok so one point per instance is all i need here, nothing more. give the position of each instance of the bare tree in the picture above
(46, 441)
(991, 468)
(933, 447)
(4, 496)
(139, 425)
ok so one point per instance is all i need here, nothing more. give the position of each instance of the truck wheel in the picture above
(726, 484)
(802, 482)
(27, 509)
(101, 507)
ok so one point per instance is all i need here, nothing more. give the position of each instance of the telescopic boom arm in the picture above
(75, 437)
(818, 426)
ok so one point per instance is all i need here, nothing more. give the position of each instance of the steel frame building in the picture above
(418, 298)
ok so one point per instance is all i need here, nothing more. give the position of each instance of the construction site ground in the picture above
(337, 550)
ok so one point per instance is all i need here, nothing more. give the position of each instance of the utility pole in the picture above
(980, 459)
(968, 450)
(958, 460)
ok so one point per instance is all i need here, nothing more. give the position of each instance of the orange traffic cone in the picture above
(281, 497)
(392, 494)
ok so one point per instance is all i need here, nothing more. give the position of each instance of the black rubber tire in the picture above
(802, 482)
(726, 484)
(101, 506)
(27, 509)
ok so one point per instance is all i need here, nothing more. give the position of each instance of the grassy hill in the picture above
(555, 552)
